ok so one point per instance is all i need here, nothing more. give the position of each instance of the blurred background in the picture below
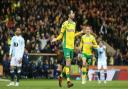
(41, 20)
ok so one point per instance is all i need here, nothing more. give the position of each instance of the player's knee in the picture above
(68, 63)
(59, 67)
(105, 71)
(19, 70)
(84, 63)
(12, 70)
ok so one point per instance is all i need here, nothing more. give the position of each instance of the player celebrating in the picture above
(68, 34)
(102, 61)
(87, 43)
(16, 54)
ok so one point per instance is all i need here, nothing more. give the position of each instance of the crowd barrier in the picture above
(1, 70)
(114, 72)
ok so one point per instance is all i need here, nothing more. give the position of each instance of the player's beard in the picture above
(18, 34)
(88, 33)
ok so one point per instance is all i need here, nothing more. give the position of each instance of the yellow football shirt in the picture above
(68, 34)
(87, 42)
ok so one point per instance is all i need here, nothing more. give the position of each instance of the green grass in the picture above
(53, 84)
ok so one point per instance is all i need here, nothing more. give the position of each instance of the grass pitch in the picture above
(53, 84)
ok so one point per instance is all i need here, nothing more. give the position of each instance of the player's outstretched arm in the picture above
(78, 33)
(63, 28)
(58, 38)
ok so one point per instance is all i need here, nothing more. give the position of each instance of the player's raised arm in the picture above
(78, 33)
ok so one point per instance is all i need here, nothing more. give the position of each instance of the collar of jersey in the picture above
(87, 35)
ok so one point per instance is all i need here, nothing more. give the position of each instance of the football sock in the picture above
(84, 72)
(67, 69)
(99, 75)
(105, 75)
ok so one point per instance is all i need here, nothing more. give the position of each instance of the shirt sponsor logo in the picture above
(88, 43)
(70, 30)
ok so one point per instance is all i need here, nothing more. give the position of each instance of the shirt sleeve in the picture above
(11, 47)
(78, 33)
(94, 43)
(81, 43)
(63, 28)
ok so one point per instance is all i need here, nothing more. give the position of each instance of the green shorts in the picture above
(87, 57)
(68, 53)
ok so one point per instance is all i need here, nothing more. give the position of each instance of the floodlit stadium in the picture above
(53, 44)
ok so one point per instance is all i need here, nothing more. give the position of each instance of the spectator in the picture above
(117, 58)
(25, 64)
(33, 70)
(111, 60)
(40, 70)
(1, 54)
(55, 75)
(46, 68)
(6, 65)
(43, 43)
(103, 31)
(125, 61)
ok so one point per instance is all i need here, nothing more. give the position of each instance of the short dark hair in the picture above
(69, 11)
(17, 28)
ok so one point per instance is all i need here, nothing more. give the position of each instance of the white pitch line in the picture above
(4, 80)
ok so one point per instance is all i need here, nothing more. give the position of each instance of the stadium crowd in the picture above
(40, 21)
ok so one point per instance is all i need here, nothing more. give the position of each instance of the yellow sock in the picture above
(83, 77)
(84, 71)
(68, 73)
(63, 71)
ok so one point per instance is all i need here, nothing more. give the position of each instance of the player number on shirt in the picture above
(15, 44)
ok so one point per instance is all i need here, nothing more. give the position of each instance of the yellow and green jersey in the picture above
(87, 42)
(68, 34)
